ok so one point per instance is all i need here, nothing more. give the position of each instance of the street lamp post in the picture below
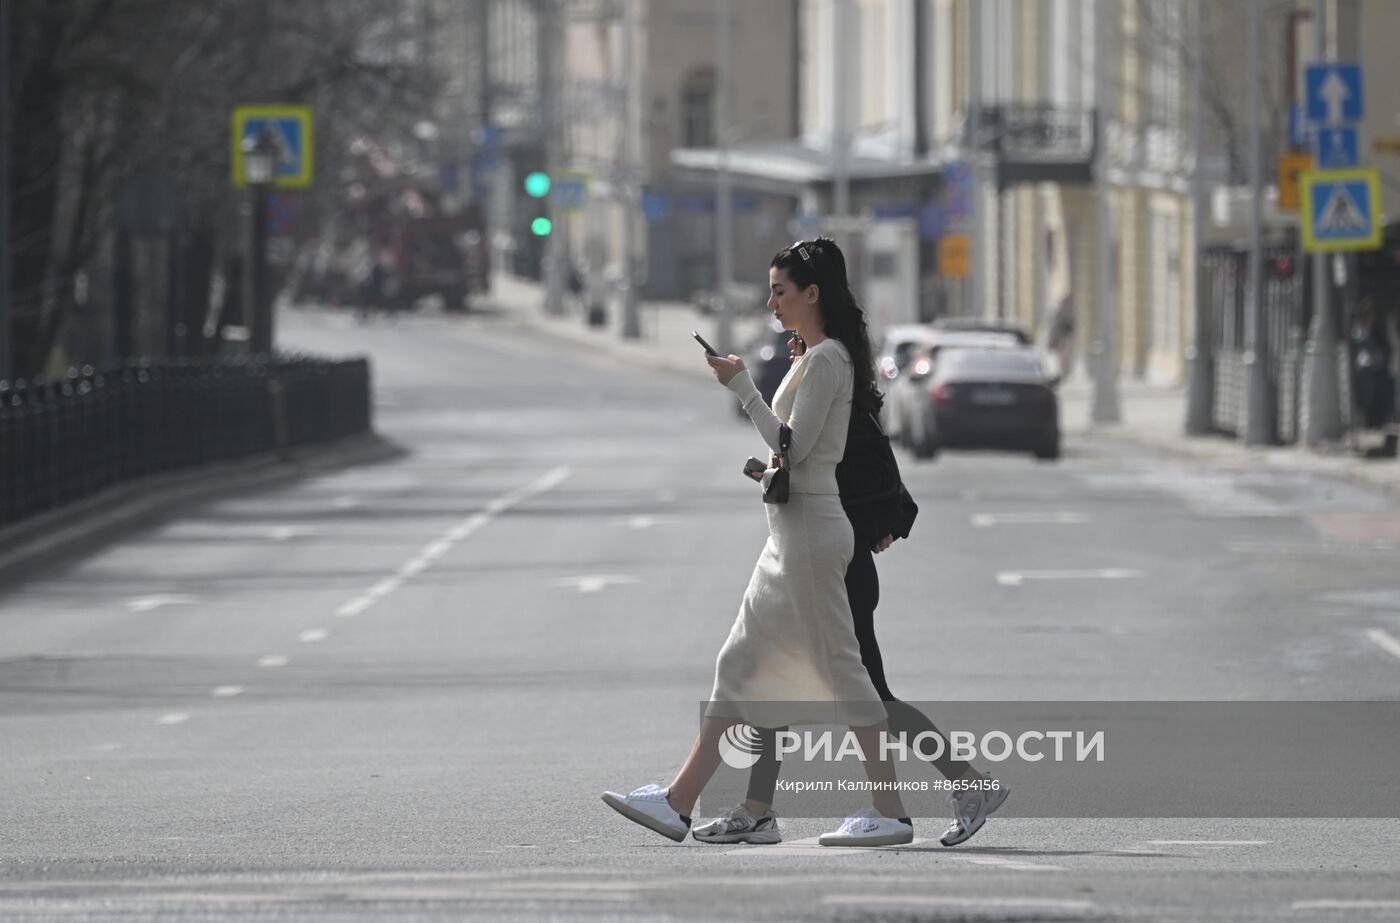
(259, 166)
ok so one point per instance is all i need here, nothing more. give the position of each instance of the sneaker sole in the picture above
(888, 839)
(646, 820)
(1005, 793)
(761, 838)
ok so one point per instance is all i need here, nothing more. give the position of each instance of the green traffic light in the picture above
(541, 227)
(537, 185)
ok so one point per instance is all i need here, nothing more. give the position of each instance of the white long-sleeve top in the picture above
(814, 400)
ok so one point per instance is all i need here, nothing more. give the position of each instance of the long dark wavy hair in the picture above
(820, 262)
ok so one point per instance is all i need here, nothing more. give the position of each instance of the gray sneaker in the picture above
(737, 825)
(971, 808)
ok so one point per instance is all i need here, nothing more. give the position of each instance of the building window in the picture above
(698, 108)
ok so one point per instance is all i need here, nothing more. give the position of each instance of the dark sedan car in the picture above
(986, 398)
(768, 360)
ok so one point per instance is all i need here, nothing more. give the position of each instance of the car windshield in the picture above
(990, 361)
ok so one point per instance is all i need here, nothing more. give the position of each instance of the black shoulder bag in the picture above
(777, 489)
(872, 491)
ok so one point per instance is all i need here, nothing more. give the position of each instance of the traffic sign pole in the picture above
(1258, 422)
(1323, 421)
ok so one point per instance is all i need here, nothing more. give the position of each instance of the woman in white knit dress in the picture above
(792, 656)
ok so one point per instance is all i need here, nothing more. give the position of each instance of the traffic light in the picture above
(537, 185)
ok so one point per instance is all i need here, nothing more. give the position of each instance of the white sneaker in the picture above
(971, 808)
(868, 827)
(737, 825)
(648, 806)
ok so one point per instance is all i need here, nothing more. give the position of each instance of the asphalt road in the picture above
(397, 691)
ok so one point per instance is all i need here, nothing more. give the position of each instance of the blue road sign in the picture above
(655, 206)
(1334, 93)
(1300, 133)
(291, 130)
(1340, 208)
(1336, 148)
(957, 190)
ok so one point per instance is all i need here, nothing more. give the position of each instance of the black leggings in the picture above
(863, 588)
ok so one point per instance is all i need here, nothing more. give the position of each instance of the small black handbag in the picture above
(778, 484)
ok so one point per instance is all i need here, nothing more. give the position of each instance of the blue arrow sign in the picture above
(1336, 148)
(1334, 93)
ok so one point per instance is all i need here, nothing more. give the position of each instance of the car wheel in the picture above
(1050, 450)
(926, 448)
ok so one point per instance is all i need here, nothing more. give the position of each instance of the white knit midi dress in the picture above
(792, 655)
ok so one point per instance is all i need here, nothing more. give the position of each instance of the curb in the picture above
(1222, 450)
(53, 538)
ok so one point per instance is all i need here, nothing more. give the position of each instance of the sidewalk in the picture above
(1153, 416)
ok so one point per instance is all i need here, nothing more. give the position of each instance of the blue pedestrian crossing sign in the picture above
(1334, 93)
(1336, 148)
(1341, 210)
(291, 129)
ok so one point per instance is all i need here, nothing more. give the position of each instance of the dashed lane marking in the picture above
(1385, 640)
(1017, 578)
(441, 545)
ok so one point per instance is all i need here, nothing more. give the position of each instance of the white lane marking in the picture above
(1346, 905)
(1385, 639)
(441, 545)
(641, 522)
(944, 900)
(312, 635)
(286, 533)
(1329, 549)
(273, 660)
(354, 607)
(151, 603)
(1015, 865)
(437, 549)
(985, 520)
(384, 587)
(177, 717)
(226, 692)
(345, 503)
(594, 583)
(811, 846)
(666, 496)
(1016, 578)
(107, 748)
(1209, 842)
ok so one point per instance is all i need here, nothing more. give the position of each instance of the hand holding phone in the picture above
(701, 340)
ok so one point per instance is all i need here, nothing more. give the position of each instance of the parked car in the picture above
(987, 398)
(905, 392)
(984, 325)
(768, 360)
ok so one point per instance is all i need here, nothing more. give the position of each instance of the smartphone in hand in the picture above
(701, 340)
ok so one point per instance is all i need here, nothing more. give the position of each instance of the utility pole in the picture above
(977, 291)
(548, 73)
(631, 200)
(841, 116)
(724, 186)
(1324, 421)
(1258, 428)
(1200, 382)
(1104, 407)
(6, 283)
